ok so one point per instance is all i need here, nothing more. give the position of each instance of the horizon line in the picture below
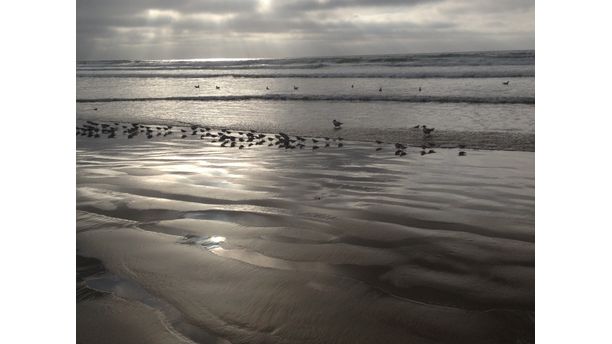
(211, 59)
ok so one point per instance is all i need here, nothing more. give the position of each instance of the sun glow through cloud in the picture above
(269, 28)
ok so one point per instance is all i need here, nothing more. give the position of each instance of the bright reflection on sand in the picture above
(209, 243)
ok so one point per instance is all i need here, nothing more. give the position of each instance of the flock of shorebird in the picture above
(295, 88)
(234, 138)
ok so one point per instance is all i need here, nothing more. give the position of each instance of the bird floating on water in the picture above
(427, 131)
(462, 153)
(337, 124)
(506, 82)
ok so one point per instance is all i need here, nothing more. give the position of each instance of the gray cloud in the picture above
(151, 29)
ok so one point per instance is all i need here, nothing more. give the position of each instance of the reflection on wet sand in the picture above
(343, 246)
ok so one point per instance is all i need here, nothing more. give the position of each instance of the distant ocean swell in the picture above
(522, 57)
(392, 75)
(338, 98)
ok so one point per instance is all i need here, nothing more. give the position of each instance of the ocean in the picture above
(378, 97)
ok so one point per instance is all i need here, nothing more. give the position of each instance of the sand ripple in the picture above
(338, 245)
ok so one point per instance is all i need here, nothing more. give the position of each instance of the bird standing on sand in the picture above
(417, 126)
(506, 82)
(217, 87)
(197, 86)
(380, 89)
(337, 124)
(295, 87)
(427, 131)
(462, 153)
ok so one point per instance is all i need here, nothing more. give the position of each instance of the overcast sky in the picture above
(167, 29)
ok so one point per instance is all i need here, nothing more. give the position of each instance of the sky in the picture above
(185, 29)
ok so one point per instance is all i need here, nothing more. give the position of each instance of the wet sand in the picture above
(196, 243)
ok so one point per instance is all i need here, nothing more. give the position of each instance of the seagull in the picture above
(427, 131)
(337, 124)
(506, 82)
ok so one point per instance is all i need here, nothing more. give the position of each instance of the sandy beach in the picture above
(183, 241)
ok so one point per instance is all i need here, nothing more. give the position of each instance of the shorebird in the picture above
(380, 89)
(427, 131)
(378, 141)
(506, 82)
(337, 124)
(197, 86)
(417, 126)
(295, 87)
(379, 148)
(217, 87)
(400, 146)
(267, 88)
(462, 153)
(419, 89)
(352, 86)
(423, 152)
